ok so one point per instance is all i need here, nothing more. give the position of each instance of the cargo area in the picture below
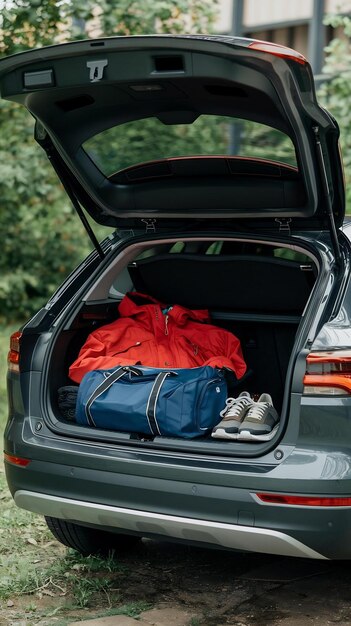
(256, 290)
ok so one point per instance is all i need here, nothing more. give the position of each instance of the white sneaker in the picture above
(232, 414)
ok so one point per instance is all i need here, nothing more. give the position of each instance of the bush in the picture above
(335, 92)
(42, 238)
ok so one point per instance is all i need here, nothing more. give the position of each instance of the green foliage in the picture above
(263, 142)
(134, 142)
(335, 92)
(41, 236)
(34, 23)
(149, 139)
(42, 239)
(132, 17)
(31, 563)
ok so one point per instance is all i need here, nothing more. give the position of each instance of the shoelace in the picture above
(257, 411)
(234, 407)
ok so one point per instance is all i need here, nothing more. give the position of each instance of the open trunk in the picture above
(255, 289)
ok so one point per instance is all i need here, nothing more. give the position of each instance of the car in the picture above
(221, 178)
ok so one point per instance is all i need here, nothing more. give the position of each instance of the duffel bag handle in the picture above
(151, 404)
(106, 384)
(152, 401)
(132, 370)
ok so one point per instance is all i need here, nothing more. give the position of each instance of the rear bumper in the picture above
(230, 536)
(207, 500)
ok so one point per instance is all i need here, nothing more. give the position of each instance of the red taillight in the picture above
(14, 353)
(279, 498)
(16, 460)
(278, 51)
(328, 373)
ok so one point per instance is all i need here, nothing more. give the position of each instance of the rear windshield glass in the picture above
(150, 139)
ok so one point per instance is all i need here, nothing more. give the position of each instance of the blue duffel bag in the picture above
(161, 402)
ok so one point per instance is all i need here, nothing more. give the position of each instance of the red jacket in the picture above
(145, 334)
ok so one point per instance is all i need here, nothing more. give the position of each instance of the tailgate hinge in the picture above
(284, 225)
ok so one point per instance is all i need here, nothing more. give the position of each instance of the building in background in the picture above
(297, 24)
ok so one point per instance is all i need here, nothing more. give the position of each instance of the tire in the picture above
(89, 540)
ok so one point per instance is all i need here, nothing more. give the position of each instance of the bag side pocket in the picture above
(211, 401)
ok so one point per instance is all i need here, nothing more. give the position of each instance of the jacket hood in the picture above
(138, 304)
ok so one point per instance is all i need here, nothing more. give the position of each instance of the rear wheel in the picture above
(89, 540)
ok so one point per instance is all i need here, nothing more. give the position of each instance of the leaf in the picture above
(32, 541)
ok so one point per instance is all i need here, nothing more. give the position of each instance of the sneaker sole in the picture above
(246, 435)
(220, 433)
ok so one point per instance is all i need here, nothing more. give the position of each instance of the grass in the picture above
(39, 577)
(32, 563)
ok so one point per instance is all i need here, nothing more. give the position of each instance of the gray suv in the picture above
(238, 209)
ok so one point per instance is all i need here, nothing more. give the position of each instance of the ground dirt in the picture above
(214, 588)
(42, 583)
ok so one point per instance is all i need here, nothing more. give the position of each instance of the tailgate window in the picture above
(149, 139)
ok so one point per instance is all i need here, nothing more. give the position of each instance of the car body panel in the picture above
(224, 76)
(219, 491)
(203, 492)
